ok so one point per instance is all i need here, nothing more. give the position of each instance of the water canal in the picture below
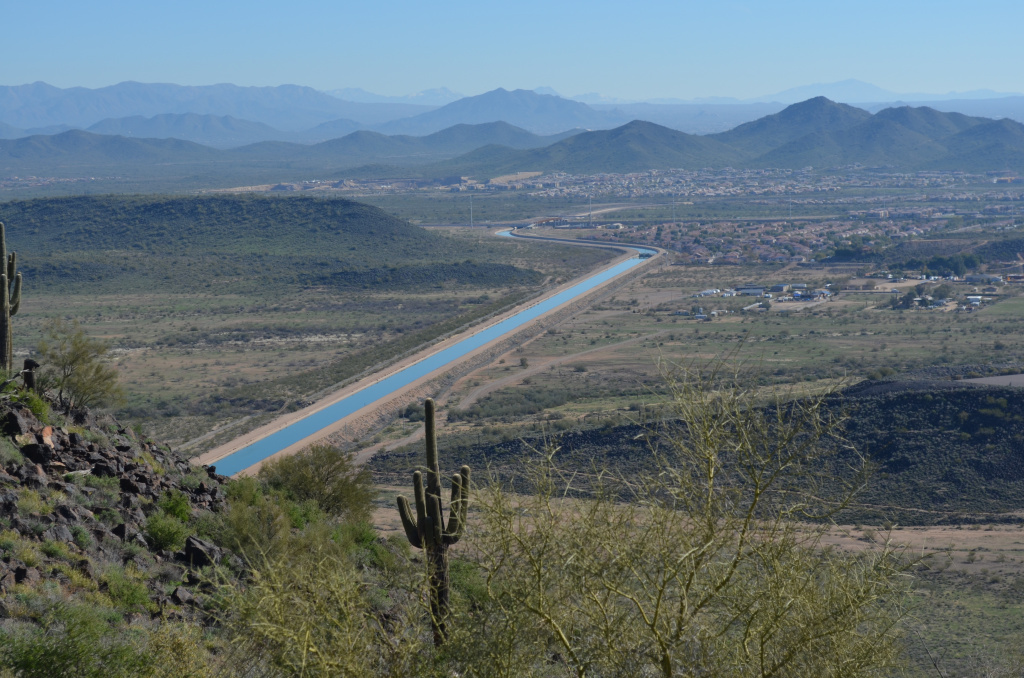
(321, 419)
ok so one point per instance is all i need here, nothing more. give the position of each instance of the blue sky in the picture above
(637, 50)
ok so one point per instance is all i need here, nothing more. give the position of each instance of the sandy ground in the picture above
(512, 379)
(222, 451)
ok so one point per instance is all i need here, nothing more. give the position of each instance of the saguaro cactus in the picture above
(10, 284)
(426, 529)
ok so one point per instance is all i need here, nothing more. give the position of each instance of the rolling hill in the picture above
(814, 116)
(78, 152)
(117, 243)
(633, 147)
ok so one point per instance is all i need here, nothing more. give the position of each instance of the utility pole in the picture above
(471, 209)
(590, 219)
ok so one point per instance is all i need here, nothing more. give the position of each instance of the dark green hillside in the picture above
(814, 116)
(877, 141)
(208, 224)
(931, 123)
(993, 145)
(185, 243)
(76, 148)
(1011, 249)
(943, 451)
(634, 147)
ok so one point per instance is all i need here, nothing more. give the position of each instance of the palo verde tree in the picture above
(10, 280)
(426, 529)
(715, 564)
(75, 367)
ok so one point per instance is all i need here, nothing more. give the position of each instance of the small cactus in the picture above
(10, 284)
(426, 528)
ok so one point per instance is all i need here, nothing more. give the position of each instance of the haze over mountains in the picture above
(226, 116)
(817, 133)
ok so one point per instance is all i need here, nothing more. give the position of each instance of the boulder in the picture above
(59, 533)
(26, 575)
(19, 420)
(66, 513)
(131, 486)
(200, 553)
(182, 596)
(125, 531)
(38, 453)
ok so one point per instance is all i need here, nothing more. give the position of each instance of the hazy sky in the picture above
(637, 49)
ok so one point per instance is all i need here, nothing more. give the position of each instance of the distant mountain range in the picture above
(818, 133)
(286, 107)
(77, 152)
(226, 116)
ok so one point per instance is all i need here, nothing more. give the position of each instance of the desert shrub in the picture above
(83, 539)
(177, 650)
(254, 524)
(55, 549)
(9, 453)
(30, 501)
(72, 641)
(309, 612)
(175, 503)
(165, 532)
(325, 475)
(39, 407)
(713, 564)
(125, 590)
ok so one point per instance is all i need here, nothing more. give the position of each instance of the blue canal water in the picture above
(309, 425)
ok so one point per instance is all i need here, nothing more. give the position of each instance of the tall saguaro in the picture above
(426, 529)
(10, 283)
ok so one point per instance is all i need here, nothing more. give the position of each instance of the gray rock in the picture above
(26, 575)
(201, 553)
(19, 420)
(182, 596)
(59, 533)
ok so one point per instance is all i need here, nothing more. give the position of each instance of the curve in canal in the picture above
(307, 426)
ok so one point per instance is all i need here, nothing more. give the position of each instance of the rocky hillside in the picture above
(89, 507)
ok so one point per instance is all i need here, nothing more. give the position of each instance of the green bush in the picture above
(72, 641)
(175, 503)
(83, 539)
(37, 405)
(126, 592)
(55, 549)
(165, 532)
(9, 454)
(325, 475)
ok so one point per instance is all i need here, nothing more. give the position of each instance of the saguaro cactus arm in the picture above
(16, 294)
(412, 530)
